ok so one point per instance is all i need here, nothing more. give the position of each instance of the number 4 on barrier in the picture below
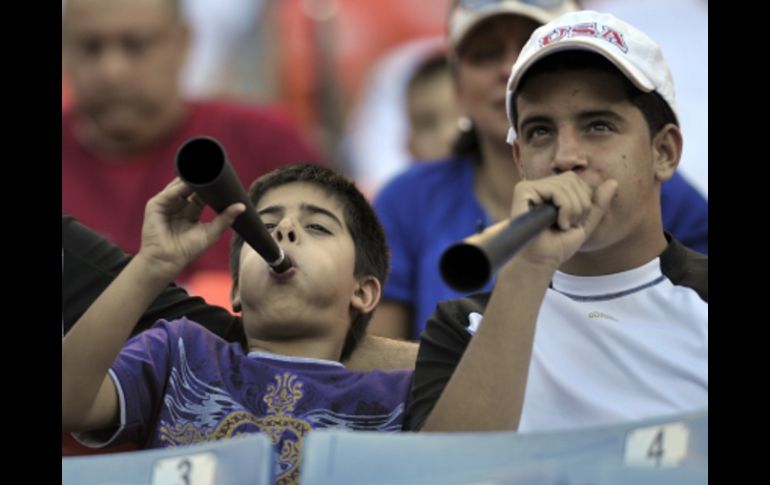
(197, 469)
(657, 446)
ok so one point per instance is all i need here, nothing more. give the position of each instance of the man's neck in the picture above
(633, 252)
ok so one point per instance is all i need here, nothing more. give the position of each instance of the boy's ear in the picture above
(666, 151)
(366, 295)
(235, 297)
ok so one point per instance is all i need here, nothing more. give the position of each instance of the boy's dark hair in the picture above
(655, 109)
(372, 253)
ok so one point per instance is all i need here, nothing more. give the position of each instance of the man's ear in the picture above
(185, 35)
(666, 151)
(411, 145)
(183, 43)
(235, 296)
(366, 295)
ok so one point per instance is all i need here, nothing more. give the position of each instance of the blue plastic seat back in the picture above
(661, 451)
(248, 459)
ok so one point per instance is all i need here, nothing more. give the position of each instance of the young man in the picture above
(178, 384)
(603, 317)
(473, 189)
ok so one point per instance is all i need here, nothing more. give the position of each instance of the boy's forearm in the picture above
(486, 390)
(90, 348)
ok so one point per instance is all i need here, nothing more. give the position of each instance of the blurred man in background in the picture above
(123, 59)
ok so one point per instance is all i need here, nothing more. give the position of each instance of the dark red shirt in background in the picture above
(109, 196)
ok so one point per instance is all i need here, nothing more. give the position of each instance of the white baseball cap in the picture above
(469, 13)
(635, 54)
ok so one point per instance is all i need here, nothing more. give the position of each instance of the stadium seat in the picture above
(248, 459)
(661, 451)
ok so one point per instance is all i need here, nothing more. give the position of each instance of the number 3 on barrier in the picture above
(197, 469)
(657, 446)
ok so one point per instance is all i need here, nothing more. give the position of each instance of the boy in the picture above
(178, 384)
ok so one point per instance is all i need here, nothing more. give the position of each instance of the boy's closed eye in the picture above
(315, 227)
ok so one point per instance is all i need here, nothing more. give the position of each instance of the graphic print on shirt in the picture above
(202, 412)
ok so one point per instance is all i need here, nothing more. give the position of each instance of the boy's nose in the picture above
(289, 234)
(285, 230)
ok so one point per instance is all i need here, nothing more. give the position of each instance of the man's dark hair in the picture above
(372, 253)
(655, 109)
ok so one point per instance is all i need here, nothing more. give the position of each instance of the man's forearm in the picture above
(486, 390)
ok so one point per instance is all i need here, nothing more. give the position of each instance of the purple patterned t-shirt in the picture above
(180, 384)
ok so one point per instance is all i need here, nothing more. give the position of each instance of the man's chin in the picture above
(122, 129)
(598, 240)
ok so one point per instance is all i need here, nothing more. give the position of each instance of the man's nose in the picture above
(568, 154)
(114, 64)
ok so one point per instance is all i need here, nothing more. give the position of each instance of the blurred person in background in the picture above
(375, 146)
(432, 109)
(429, 207)
(128, 118)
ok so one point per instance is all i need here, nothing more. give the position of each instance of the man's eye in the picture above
(537, 132)
(269, 225)
(91, 47)
(135, 46)
(600, 126)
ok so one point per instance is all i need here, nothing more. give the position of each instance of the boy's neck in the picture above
(310, 347)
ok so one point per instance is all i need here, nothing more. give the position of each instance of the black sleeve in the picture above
(685, 267)
(91, 262)
(442, 344)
